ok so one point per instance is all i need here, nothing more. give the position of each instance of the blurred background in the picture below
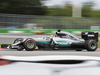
(27, 16)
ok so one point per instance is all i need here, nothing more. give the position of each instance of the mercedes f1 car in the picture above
(62, 40)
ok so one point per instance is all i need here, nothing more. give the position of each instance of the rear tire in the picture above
(91, 45)
(29, 44)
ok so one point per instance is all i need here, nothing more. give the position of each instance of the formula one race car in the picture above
(62, 40)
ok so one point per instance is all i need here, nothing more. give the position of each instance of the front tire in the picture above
(91, 45)
(17, 40)
(30, 45)
(20, 48)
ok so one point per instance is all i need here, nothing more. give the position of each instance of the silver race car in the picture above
(62, 40)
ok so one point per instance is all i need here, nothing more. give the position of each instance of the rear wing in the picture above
(90, 35)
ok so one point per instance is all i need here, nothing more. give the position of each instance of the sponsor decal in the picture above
(62, 43)
(44, 42)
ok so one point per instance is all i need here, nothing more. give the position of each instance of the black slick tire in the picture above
(20, 48)
(17, 40)
(91, 45)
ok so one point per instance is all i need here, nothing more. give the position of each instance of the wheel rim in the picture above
(93, 45)
(30, 44)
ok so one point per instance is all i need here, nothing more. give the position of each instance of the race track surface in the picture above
(39, 53)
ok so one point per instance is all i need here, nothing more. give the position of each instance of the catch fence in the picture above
(47, 22)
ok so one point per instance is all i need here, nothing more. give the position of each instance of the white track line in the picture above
(10, 36)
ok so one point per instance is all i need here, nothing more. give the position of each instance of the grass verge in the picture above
(99, 44)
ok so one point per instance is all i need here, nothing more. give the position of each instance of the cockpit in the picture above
(66, 35)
